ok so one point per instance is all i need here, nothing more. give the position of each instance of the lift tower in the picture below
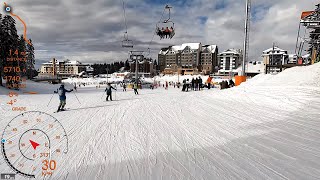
(242, 77)
(246, 39)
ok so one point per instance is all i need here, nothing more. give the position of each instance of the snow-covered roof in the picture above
(306, 56)
(253, 67)
(69, 62)
(72, 62)
(176, 48)
(292, 55)
(50, 62)
(211, 48)
(231, 51)
(89, 68)
(274, 49)
(191, 45)
(163, 51)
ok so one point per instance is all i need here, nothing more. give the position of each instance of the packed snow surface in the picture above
(266, 128)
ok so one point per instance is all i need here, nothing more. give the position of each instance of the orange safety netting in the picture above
(305, 14)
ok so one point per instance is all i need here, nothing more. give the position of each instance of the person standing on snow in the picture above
(192, 84)
(231, 83)
(109, 91)
(196, 83)
(62, 96)
(200, 83)
(124, 87)
(75, 87)
(188, 85)
(135, 88)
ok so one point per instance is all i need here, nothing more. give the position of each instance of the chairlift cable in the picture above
(154, 33)
(126, 42)
(124, 16)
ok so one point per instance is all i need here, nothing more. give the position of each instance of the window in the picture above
(227, 63)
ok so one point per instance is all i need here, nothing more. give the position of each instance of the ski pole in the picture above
(76, 97)
(102, 95)
(50, 99)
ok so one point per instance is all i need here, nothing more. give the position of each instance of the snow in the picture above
(230, 51)
(266, 128)
(268, 51)
(211, 48)
(193, 46)
(252, 68)
(176, 48)
(73, 62)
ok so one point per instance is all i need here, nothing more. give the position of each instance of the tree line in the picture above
(114, 67)
(17, 58)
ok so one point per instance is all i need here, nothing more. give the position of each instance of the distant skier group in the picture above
(109, 89)
(195, 84)
(61, 91)
(225, 84)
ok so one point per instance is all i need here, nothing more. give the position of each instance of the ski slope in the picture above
(267, 128)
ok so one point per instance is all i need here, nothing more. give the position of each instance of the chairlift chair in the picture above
(126, 43)
(161, 27)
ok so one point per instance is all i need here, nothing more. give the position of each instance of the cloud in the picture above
(91, 31)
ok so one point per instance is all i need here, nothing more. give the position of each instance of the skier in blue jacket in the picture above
(62, 96)
(109, 91)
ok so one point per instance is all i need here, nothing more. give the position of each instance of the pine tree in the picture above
(127, 65)
(1, 52)
(22, 50)
(30, 60)
(10, 43)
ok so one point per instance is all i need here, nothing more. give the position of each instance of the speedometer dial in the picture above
(32, 142)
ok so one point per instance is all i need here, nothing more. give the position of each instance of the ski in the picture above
(62, 110)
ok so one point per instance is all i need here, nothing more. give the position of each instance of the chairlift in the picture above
(126, 43)
(148, 52)
(166, 29)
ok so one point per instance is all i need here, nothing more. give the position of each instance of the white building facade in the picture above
(273, 57)
(230, 60)
(188, 59)
(62, 68)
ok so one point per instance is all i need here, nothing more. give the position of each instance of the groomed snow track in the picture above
(260, 130)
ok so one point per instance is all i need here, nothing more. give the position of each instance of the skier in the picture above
(135, 88)
(62, 96)
(184, 86)
(75, 87)
(109, 91)
(196, 83)
(166, 85)
(192, 83)
(124, 87)
(187, 85)
(200, 83)
(231, 83)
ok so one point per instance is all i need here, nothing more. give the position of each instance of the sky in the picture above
(92, 31)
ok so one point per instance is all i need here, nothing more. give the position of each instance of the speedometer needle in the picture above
(34, 144)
